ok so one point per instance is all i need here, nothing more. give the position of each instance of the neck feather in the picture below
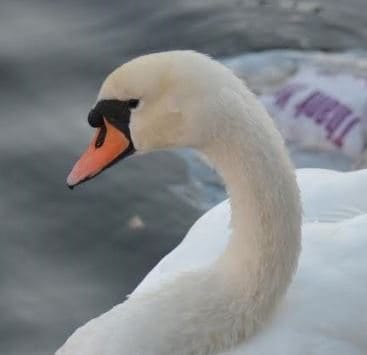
(264, 246)
(211, 310)
(261, 257)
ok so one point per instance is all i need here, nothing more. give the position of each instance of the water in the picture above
(67, 256)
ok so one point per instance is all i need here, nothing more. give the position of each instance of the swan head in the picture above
(156, 101)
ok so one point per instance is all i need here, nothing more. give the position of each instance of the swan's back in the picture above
(325, 307)
(324, 311)
(327, 197)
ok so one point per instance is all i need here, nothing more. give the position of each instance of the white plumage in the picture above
(228, 288)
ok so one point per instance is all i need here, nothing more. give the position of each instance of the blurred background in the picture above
(66, 257)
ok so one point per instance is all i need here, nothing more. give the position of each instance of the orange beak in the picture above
(108, 145)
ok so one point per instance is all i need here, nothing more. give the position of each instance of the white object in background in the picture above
(316, 109)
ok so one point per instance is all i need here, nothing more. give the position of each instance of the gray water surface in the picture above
(65, 257)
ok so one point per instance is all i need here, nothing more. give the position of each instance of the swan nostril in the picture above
(101, 136)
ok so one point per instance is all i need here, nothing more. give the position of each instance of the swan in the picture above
(231, 287)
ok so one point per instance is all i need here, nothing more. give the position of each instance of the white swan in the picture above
(225, 288)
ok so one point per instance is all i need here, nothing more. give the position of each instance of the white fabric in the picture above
(321, 110)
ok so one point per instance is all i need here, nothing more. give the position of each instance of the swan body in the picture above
(320, 315)
(227, 288)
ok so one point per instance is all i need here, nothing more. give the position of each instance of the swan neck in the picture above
(264, 245)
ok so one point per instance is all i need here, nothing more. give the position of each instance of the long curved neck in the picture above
(211, 310)
(264, 245)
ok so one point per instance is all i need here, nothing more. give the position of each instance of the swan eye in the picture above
(133, 103)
